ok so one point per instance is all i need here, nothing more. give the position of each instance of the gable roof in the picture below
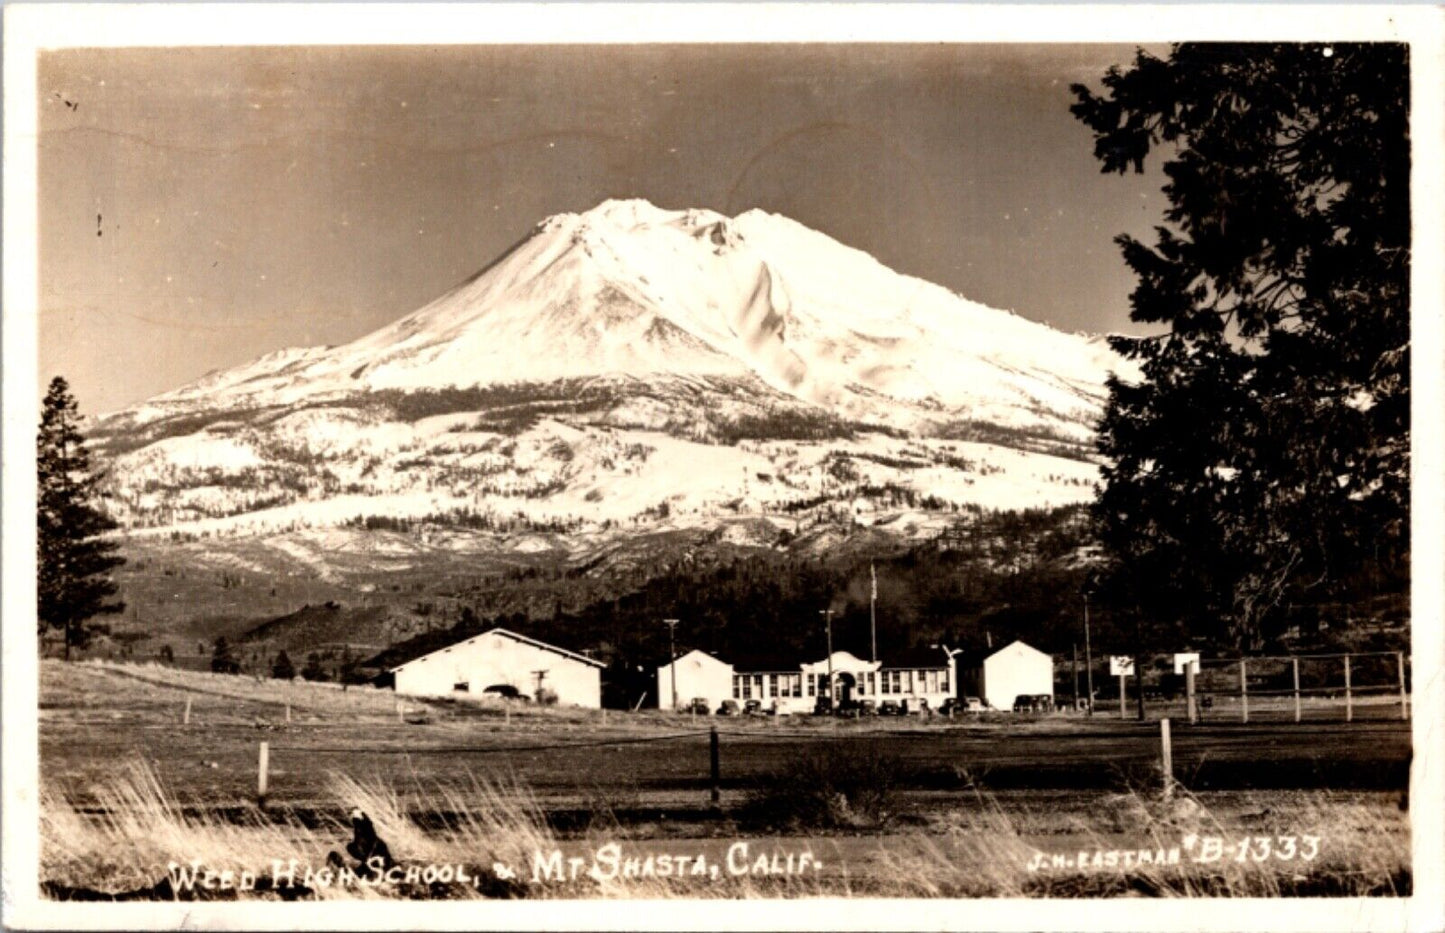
(695, 651)
(506, 633)
(974, 658)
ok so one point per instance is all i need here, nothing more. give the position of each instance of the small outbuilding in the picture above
(1002, 676)
(501, 662)
(699, 675)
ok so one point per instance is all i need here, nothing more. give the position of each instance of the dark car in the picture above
(890, 708)
(754, 708)
(698, 706)
(728, 708)
(823, 707)
(867, 708)
(1033, 703)
(505, 691)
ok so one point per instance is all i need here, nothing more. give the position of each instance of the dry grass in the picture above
(974, 850)
(1363, 849)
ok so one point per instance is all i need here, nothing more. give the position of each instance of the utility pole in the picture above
(827, 615)
(1075, 666)
(672, 656)
(1088, 657)
(873, 608)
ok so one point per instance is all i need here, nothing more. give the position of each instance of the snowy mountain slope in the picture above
(632, 366)
(629, 288)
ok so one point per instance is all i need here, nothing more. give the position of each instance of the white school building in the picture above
(921, 677)
(503, 659)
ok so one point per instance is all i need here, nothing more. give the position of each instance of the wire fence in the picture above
(1299, 687)
(486, 749)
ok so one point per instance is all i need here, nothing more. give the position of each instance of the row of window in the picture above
(750, 686)
(868, 683)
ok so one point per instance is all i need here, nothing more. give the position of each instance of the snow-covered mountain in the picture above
(633, 365)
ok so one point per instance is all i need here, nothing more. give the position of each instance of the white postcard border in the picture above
(30, 28)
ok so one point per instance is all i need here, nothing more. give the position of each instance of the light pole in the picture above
(952, 668)
(672, 657)
(873, 609)
(1088, 657)
(827, 615)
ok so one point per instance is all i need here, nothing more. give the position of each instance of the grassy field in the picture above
(912, 808)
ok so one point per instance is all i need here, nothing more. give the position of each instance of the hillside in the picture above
(628, 395)
(630, 368)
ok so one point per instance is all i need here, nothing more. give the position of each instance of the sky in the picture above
(202, 206)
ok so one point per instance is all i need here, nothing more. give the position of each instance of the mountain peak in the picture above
(628, 214)
(607, 368)
(629, 288)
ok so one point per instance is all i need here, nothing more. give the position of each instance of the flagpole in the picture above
(873, 609)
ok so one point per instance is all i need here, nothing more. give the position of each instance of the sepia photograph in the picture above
(530, 466)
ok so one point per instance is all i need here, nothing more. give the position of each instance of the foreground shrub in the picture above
(837, 784)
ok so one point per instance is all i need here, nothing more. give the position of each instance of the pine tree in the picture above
(282, 668)
(1263, 458)
(223, 659)
(74, 559)
(313, 670)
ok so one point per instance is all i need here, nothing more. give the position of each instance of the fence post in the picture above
(288, 712)
(400, 712)
(1349, 695)
(186, 716)
(1122, 711)
(1166, 750)
(1294, 662)
(716, 769)
(262, 766)
(1243, 692)
(1192, 703)
(1404, 694)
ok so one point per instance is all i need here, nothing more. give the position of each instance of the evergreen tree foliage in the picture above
(223, 658)
(313, 670)
(1261, 462)
(282, 668)
(74, 560)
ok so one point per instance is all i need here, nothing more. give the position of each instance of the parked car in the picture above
(506, 692)
(1033, 703)
(728, 708)
(867, 708)
(755, 708)
(890, 708)
(956, 705)
(823, 707)
(698, 706)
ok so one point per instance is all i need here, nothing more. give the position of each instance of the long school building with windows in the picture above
(923, 678)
